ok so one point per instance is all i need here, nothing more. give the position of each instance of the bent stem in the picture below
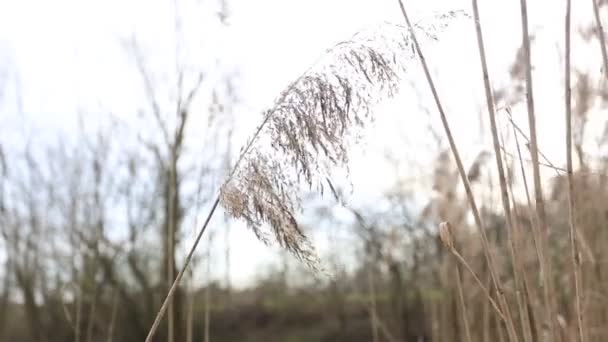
(180, 275)
(163, 308)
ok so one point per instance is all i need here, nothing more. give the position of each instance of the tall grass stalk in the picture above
(481, 228)
(525, 298)
(511, 233)
(549, 293)
(463, 305)
(575, 259)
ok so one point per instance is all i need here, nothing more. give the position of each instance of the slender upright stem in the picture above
(478, 221)
(504, 192)
(571, 196)
(463, 306)
(538, 190)
(163, 308)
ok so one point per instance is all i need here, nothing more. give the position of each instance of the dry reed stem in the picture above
(576, 266)
(175, 284)
(486, 246)
(549, 292)
(528, 326)
(533, 217)
(517, 267)
(463, 306)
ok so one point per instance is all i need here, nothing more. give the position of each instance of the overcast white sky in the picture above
(65, 55)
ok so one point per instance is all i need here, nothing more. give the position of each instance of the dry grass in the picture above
(564, 292)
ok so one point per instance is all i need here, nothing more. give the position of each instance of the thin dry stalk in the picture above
(601, 36)
(529, 326)
(486, 246)
(485, 323)
(538, 191)
(463, 306)
(517, 267)
(576, 265)
(180, 275)
(499, 332)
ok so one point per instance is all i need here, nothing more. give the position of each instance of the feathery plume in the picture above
(308, 132)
